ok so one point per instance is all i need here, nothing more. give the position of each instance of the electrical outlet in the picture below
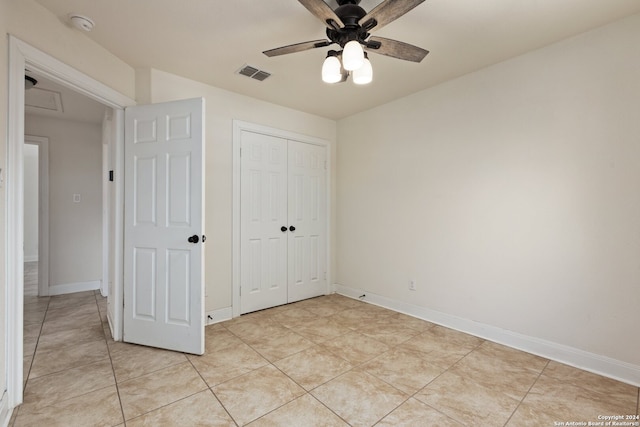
(412, 285)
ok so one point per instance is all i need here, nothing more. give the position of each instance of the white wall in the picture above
(75, 229)
(512, 195)
(31, 192)
(221, 108)
(4, 405)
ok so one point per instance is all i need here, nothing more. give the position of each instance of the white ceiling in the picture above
(50, 99)
(209, 40)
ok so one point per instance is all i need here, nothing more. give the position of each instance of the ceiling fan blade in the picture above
(386, 12)
(323, 12)
(396, 49)
(298, 47)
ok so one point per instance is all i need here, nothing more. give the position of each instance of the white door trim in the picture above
(21, 56)
(238, 127)
(43, 211)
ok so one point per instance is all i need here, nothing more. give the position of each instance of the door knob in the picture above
(292, 228)
(194, 239)
(283, 229)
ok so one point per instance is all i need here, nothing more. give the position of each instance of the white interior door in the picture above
(164, 225)
(263, 247)
(307, 220)
(283, 221)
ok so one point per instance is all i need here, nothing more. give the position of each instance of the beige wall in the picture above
(221, 108)
(75, 229)
(511, 195)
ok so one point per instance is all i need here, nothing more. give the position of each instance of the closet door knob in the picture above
(283, 229)
(292, 228)
(194, 239)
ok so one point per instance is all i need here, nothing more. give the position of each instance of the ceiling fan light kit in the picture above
(332, 68)
(349, 26)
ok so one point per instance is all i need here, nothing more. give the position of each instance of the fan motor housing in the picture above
(350, 14)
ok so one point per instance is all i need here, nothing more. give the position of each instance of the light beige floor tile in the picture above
(48, 362)
(257, 393)
(31, 332)
(280, 345)
(152, 391)
(413, 322)
(72, 311)
(359, 398)
(501, 375)
(534, 416)
(555, 399)
(98, 408)
(255, 331)
(313, 367)
(391, 334)
(407, 370)
(468, 402)
(321, 306)
(39, 305)
(444, 340)
(413, 413)
(355, 348)
(219, 339)
(584, 379)
(34, 317)
(77, 322)
(512, 356)
(256, 316)
(201, 409)
(46, 390)
(305, 411)
(220, 366)
(29, 347)
(320, 329)
(69, 337)
(26, 366)
(75, 299)
(293, 316)
(132, 361)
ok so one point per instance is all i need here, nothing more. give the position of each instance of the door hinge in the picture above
(325, 275)
(240, 290)
(325, 165)
(240, 151)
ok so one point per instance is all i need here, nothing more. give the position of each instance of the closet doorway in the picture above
(282, 218)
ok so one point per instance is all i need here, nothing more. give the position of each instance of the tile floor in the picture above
(328, 361)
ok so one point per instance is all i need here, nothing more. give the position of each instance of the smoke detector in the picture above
(81, 22)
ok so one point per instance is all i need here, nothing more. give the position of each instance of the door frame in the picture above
(43, 211)
(238, 127)
(21, 56)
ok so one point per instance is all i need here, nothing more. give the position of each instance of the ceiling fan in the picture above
(349, 26)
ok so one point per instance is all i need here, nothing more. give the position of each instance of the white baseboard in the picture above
(69, 288)
(30, 258)
(598, 364)
(5, 412)
(219, 315)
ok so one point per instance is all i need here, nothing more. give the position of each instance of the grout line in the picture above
(113, 371)
(527, 393)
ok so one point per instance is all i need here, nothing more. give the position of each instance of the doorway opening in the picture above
(22, 56)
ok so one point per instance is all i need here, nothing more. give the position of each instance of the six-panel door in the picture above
(164, 286)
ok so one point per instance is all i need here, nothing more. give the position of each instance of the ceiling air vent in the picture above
(253, 72)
